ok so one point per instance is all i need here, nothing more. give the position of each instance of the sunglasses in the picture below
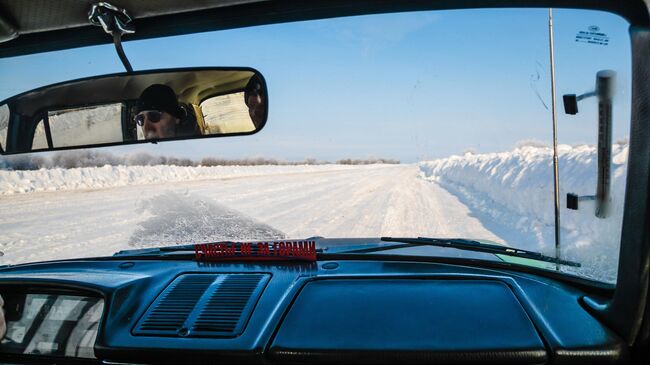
(153, 116)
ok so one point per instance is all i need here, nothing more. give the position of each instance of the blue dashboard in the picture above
(183, 311)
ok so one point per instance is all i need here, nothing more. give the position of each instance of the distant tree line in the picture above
(369, 161)
(75, 159)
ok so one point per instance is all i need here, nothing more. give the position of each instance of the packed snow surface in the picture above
(504, 197)
(258, 203)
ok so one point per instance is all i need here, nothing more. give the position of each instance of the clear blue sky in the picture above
(408, 86)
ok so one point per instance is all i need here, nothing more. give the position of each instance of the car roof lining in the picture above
(44, 25)
(34, 16)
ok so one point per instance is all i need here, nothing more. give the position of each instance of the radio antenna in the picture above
(556, 173)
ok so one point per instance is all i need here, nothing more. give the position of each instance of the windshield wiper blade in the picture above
(154, 251)
(463, 244)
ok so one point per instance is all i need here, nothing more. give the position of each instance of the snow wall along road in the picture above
(512, 194)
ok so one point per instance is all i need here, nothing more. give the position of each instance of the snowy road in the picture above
(352, 202)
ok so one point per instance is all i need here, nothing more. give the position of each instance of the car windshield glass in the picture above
(419, 124)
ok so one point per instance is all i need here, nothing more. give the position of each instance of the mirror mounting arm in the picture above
(116, 22)
(120, 52)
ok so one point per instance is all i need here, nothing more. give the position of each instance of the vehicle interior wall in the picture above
(623, 309)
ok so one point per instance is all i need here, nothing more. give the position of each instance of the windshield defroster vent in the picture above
(203, 305)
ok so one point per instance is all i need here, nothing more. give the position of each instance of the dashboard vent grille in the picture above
(175, 305)
(228, 307)
(203, 305)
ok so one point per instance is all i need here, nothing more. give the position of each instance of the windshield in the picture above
(434, 124)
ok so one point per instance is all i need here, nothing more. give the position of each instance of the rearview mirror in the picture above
(140, 107)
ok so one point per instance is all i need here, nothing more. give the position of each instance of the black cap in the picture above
(159, 97)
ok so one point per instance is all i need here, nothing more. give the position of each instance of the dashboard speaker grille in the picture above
(203, 305)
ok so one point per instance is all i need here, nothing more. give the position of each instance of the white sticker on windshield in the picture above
(592, 35)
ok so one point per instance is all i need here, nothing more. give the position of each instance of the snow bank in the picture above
(512, 194)
(15, 182)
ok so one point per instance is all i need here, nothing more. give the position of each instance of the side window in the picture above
(40, 139)
(86, 125)
(226, 114)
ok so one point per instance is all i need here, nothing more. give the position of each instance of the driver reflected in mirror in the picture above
(254, 99)
(160, 115)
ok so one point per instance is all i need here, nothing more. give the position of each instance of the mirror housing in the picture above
(605, 92)
(131, 108)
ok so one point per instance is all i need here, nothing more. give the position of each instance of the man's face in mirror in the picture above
(158, 112)
(255, 106)
(157, 124)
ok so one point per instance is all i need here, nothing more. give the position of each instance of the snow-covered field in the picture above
(12, 182)
(505, 197)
